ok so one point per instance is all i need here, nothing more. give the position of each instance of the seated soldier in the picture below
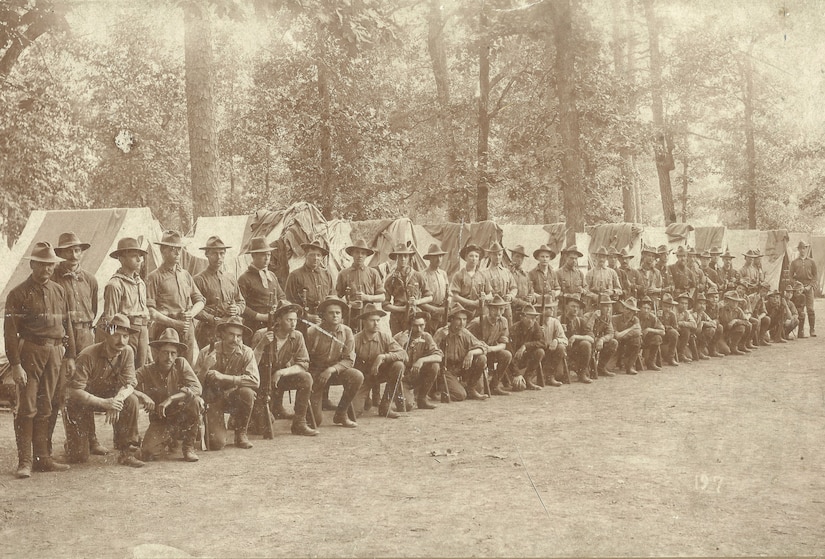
(705, 330)
(670, 322)
(629, 335)
(686, 325)
(712, 310)
(746, 344)
(284, 348)
(601, 324)
(169, 391)
(555, 347)
(229, 375)
(653, 332)
(331, 347)
(424, 360)
(777, 311)
(380, 359)
(105, 380)
(464, 357)
(579, 338)
(761, 334)
(528, 342)
(493, 329)
(791, 324)
(733, 320)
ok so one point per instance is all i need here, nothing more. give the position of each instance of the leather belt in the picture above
(139, 320)
(36, 340)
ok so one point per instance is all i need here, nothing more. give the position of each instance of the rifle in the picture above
(484, 376)
(445, 395)
(540, 371)
(266, 380)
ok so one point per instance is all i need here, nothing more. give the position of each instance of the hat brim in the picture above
(82, 246)
(470, 248)
(465, 312)
(539, 251)
(180, 345)
(376, 312)
(116, 254)
(50, 260)
(224, 325)
(286, 309)
(631, 307)
(168, 244)
(307, 246)
(430, 255)
(352, 248)
(322, 306)
(394, 254)
(222, 247)
(576, 252)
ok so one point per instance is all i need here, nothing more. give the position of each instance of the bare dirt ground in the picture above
(714, 458)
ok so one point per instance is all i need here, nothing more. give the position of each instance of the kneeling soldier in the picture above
(652, 333)
(424, 360)
(687, 327)
(671, 325)
(528, 342)
(601, 325)
(169, 391)
(579, 337)
(735, 323)
(105, 380)
(705, 330)
(229, 376)
(493, 329)
(629, 335)
(463, 356)
(555, 347)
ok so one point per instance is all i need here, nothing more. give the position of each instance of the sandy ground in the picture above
(714, 458)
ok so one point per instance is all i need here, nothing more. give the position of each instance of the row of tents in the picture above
(287, 229)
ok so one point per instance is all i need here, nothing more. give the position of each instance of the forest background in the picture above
(584, 111)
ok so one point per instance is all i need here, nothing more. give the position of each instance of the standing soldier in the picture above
(710, 259)
(81, 291)
(728, 275)
(571, 278)
(438, 284)
(712, 311)
(601, 279)
(424, 361)
(500, 279)
(662, 253)
(650, 278)
(544, 282)
(750, 272)
(680, 273)
(405, 289)
(259, 288)
(310, 284)
(37, 321)
(494, 331)
(601, 325)
(125, 294)
(630, 279)
(221, 293)
(524, 289)
(469, 285)
(463, 356)
(360, 284)
(803, 270)
(172, 296)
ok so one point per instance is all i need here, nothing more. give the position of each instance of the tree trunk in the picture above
(663, 147)
(620, 60)
(685, 185)
(37, 20)
(482, 185)
(200, 110)
(327, 185)
(572, 185)
(750, 143)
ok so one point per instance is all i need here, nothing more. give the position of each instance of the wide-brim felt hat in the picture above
(701, 297)
(601, 251)
(630, 303)
(733, 296)
(752, 254)
(289, 307)
(359, 244)
(692, 251)
(420, 314)
(43, 252)
(70, 240)
(573, 298)
(434, 251)
(624, 254)
(728, 256)
(572, 249)
(470, 247)
(233, 321)
(170, 238)
(716, 251)
(645, 301)
(332, 300)
(520, 250)
(258, 244)
(667, 299)
(458, 309)
(497, 302)
(214, 242)
(773, 292)
(544, 248)
(169, 336)
(705, 254)
(712, 291)
(495, 247)
(613, 251)
(530, 310)
(316, 244)
(681, 251)
(371, 309)
(126, 244)
(802, 245)
(400, 249)
(648, 250)
(604, 299)
(120, 322)
(662, 249)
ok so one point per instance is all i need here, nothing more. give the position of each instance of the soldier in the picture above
(728, 275)
(601, 325)
(703, 282)
(601, 279)
(653, 333)
(650, 277)
(614, 261)
(500, 280)
(259, 288)
(310, 284)
(81, 292)
(789, 295)
(712, 269)
(381, 360)
(528, 342)
(680, 273)
(222, 297)
(524, 288)
(229, 375)
(630, 279)
(712, 311)
(405, 289)
(705, 330)
(469, 285)
(360, 284)
(38, 318)
(464, 357)
(662, 253)
(424, 359)
(753, 324)
(125, 293)
(543, 281)
(671, 339)
(571, 279)
(761, 335)
(579, 338)
(494, 331)
(629, 335)
(169, 391)
(555, 347)
(750, 272)
(172, 296)
(331, 346)
(438, 284)
(734, 322)
(283, 349)
(803, 270)
(687, 326)
(779, 313)
(105, 380)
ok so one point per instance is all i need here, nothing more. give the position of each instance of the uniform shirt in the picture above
(81, 291)
(712, 274)
(369, 346)
(650, 321)
(364, 279)
(752, 273)
(669, 319)
(571, 281)
(292, 351)
(576, 326)
(316, 282)
(745, 305)
(700, 280)
(651, 281)
(703, 320)
(171, 290)
(600, 280)
(401, 285)
(682, 277)
(685, 319)
(469, 286)
(601, 327)
(728, 314)
(803, 270)
(125, 294)
(456, 345)
(422, 346)
(791, 306)
(437, 283)
(757, 304)
(530, 337)
(256, 295)
(544, 282)
(238, 362)
(728, 277)
(495, 331)
(101, 376)
(160, 385)
(524, 287)
(500, 281)
(664, 272)
(38, 311)
(553, 330)
(219, 291)
(622, 322)
(631, 281)
(325, 353)
(712, 310)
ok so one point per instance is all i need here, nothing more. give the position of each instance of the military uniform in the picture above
(219, 291)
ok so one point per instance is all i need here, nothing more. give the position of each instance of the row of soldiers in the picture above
(481, 332)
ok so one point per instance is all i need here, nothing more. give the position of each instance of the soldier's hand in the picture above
(270, 336)
(416, 366)
(112, 404)
(356, 297)
(147, 403)
(377, 362)
(468, 361)
(19, 375)
(520, 353)
(314, 318)
(325, 375)
(162, 407)
(553, 345)
(234, 310)
(112, 417)
(71, 367)
(508, 298)
(519, 382)
(599, 344)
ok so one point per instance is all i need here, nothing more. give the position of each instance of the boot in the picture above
(189, 451)
(473, 394)
(241, 440)
(384, 405)
(43, 461)
(495, 388)
(423, 404)
(299, 422)
(583, 378)
(277, 404)
(327, 405)
(812, 322)
(23, 437)
(341, 418)
(126, 458)
(47, 464)
(650, 359)
(94, 445)
(800, 332)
